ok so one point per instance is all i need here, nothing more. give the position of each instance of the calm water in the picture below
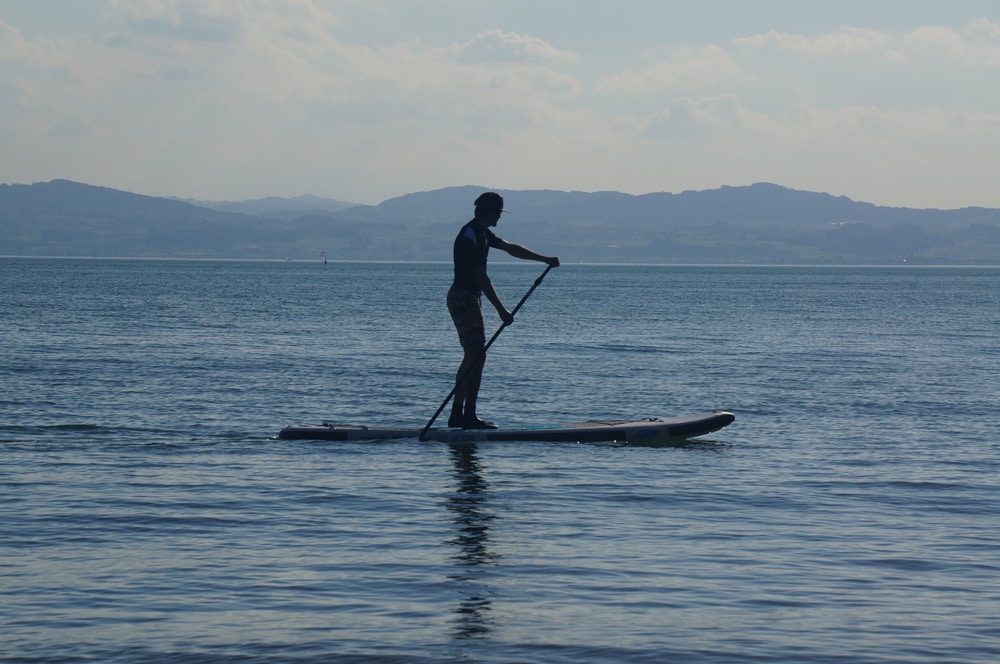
(148, 513)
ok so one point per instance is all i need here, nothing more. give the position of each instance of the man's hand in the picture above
(552, 261)
(506, 316)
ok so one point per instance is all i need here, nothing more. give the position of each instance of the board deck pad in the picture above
(649, 430)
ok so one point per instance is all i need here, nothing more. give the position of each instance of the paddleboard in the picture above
(649, 430)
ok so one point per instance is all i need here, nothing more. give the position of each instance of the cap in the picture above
(490, 201)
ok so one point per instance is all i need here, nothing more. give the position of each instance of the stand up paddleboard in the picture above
(652, 430)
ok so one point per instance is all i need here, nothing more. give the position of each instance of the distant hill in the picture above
(276, 207)
(63, 218)
(758, 224)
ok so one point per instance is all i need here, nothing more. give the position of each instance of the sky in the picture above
(894, 102)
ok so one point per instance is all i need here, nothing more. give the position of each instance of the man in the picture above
(472, 247)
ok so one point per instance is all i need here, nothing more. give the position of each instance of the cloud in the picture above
(873, 129)
(71, 127)
(11, 42)
(241, 53)
(40, 86)
(497, 46)
(726, 123)
(687, 69)
(722, 117)
(985, 28)
(35, 55)
(848, 42)
(977, 45)
(174, 21)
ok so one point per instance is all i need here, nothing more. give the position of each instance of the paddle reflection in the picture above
(471, 519)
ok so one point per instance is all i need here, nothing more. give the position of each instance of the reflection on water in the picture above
(471, 519)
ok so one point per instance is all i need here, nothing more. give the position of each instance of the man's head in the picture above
(488, 207)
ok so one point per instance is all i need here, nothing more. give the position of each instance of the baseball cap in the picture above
(490, 200)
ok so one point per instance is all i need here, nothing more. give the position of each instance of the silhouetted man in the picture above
(471, 250)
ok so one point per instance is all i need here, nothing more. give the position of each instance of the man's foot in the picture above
(473, 422)
(456, 421)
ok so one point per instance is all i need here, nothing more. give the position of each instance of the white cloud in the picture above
(985, 28)
(11, 42)
(25, 55)
(175, 21)
(718, 118)
(847, 42)
(687, 69)
(497, 46)
(978, 45)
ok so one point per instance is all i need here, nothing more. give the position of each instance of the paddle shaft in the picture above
(483, 354)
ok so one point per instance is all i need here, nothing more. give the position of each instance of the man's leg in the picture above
(467, 391)
(457, 418)
(474, 379)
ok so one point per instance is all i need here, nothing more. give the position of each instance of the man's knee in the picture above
(475, 352)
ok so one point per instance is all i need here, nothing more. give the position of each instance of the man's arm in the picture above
(518, 251)
(491, 294)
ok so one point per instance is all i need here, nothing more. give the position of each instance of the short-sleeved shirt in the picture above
(472, 248)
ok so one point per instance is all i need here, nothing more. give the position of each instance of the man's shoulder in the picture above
(468, 232)
(474, 235)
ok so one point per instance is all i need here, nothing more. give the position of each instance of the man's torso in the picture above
(471, 250)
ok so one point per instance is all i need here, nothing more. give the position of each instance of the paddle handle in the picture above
(468, 371)
(531, 290)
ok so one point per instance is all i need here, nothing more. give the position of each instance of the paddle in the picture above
(481, 355)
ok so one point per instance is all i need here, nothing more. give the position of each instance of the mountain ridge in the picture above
(758, 223)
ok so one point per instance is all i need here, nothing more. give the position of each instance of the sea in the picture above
(150, 513)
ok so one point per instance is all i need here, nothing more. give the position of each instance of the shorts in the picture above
(467, 313)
